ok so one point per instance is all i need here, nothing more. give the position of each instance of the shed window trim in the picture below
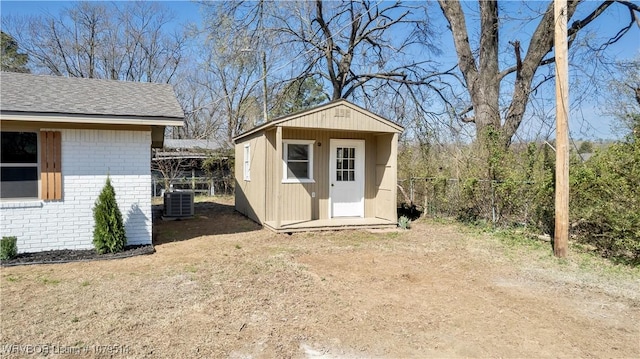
(286, 162)
(247, 162)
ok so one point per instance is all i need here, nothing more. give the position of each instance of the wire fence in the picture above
(470, 199)
(199, 185)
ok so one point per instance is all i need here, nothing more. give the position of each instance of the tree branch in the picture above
(453, 12)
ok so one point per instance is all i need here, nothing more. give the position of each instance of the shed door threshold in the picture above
(330, 224)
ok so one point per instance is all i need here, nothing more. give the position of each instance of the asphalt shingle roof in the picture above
(80, 96)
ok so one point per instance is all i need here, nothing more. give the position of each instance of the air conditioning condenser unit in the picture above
(178, 204)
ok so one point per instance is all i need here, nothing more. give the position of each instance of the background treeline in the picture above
(515, 189)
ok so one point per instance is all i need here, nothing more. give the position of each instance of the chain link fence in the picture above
(500, 202)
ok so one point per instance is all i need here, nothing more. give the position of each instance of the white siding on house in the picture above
(87, 157)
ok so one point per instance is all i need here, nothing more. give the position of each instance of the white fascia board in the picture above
(107, 120)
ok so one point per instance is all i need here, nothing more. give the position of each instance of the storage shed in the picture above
(330, 167)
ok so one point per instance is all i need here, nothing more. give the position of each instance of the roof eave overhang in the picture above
(92, 119)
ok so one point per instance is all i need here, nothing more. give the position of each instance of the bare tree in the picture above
(201, 121)
(360, 49)
(624, 100)
(125, 41)
(358, 43)
(232, 72)
(171, 165)
(483, 75)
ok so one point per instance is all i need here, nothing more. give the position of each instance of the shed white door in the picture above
(346, 178)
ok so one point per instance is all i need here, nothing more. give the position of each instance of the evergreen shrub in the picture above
(108, 234)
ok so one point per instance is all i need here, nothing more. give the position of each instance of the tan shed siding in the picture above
(250, 195)
(297, 199)
(386, 177)
(297, 202)
(271, 180)
(370, 177)
(342, 118)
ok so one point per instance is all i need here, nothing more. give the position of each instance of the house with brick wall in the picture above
(61, 138)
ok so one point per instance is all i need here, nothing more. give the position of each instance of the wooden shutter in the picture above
(51, 165)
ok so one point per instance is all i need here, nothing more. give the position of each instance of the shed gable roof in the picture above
(335, 115)
(56, 95)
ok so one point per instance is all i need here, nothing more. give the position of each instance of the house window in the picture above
(298, 161)
(20, 170)
(247, 162)
(19, 165)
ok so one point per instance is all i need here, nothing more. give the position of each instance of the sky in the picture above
(184, 10)
(586, 121)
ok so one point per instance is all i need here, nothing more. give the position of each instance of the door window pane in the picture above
(345, 164)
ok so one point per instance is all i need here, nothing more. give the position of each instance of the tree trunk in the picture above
(484, 79)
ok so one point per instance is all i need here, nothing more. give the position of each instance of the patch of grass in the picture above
(517, 238)
(75, 320)
(85, 283)
(392, 235)
(355, 238)
(520, 246)
(45, 281)
(591, 261)
(12, 279)
(191, 269)
(238, 246)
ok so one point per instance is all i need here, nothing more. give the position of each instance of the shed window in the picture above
(298, 161)
(247, 162)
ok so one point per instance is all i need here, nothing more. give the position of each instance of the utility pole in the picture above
(264, 81)
(561, 236)
(264, 86)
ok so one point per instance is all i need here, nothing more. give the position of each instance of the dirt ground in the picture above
(220, 286)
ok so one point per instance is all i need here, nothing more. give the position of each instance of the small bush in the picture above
(8, 247)
(109, 233)
(404, 222)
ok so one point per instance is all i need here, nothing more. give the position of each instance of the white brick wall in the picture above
(87, 157)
